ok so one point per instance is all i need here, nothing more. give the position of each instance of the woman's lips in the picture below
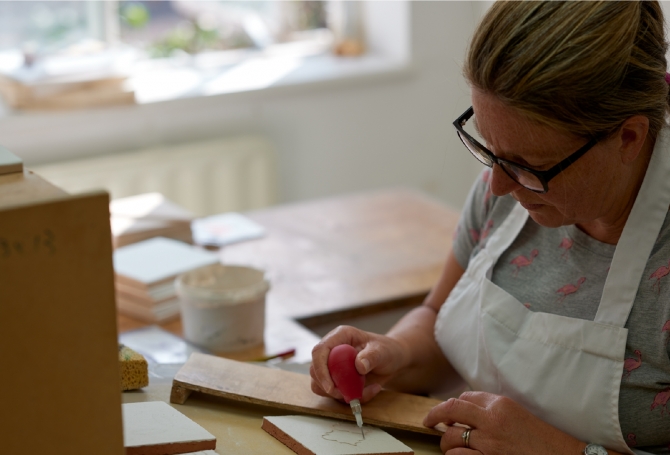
(528, 206)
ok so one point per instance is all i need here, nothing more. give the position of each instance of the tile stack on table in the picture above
(148, 215)
(145, 276)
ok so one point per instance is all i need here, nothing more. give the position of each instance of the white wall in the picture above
(396, 132)
(353, 137)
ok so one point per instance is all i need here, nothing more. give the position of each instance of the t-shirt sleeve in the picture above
(472, 226)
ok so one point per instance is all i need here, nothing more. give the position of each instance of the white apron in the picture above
(564, 370)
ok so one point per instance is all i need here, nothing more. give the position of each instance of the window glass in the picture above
(42, 26)
(166, 28)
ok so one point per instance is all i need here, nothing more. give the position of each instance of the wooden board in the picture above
(26, 187)
(60, 358)
(309, 435)
(156, 428)
(291, 391)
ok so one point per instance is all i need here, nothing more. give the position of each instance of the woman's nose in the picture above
(501, 183)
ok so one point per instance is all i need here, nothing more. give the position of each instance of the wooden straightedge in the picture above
(254, 384)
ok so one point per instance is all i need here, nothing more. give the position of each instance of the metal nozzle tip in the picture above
(362, 433)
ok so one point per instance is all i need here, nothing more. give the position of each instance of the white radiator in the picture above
(214, 176)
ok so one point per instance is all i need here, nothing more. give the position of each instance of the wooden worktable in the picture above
(237, 426)
(327, 259)
(340, 257)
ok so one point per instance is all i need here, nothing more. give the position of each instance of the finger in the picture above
(455, 411)
(317, 389)
(453, 438)
(381, 355)
(320, 353)
(362, 362)
(462, 451)
(370, 391)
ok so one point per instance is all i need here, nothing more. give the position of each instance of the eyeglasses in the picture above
(531, 179)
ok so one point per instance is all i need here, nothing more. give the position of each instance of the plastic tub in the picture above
(223, 306)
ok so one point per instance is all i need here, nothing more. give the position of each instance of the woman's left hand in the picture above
(499, 426)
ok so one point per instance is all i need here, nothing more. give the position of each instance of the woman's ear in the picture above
(631, 136)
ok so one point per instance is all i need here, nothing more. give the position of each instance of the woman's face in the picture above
(586, 191)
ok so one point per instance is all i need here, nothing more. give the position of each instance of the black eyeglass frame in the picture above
(543, 176)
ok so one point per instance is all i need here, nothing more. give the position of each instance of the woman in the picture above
(554, 304)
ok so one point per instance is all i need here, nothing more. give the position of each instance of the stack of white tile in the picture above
(148, 215)
(146, 273)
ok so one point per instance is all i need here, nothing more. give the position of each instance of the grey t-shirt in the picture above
(562, 271)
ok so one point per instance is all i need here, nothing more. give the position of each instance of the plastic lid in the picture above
(219, 284)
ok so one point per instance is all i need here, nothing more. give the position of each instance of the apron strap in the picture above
(502, 238)
(638, 237)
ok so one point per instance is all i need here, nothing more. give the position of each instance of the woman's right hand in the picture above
(379, 358)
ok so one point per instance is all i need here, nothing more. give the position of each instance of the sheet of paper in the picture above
(224, 229)
(159, 346)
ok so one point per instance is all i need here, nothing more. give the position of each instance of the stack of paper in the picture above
(224, 229)
(148, 215)
(146, 272)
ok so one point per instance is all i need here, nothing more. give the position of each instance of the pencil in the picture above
(284, 355)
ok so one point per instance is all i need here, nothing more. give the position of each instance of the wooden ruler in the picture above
(254, 384)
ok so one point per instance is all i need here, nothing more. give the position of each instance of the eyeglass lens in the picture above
(521, 176)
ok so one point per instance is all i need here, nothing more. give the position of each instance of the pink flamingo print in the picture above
(631, 440)
(661, 400)
(658, 274)
(486, 230)
(527, 305)
(666, 328)
(486, 175)
(523, 261)
(474, 234)
(631, 364)
(566, 244)
(569, 289)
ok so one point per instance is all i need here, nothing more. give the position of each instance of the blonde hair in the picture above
(580, 67)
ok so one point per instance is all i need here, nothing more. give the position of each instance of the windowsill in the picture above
(167, 80)
(169, 86)
(260, 73)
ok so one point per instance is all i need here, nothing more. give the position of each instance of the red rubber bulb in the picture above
(343, 371)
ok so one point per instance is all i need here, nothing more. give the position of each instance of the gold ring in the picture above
(466, 438)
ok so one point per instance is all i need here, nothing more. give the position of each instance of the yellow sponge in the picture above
(134, 369)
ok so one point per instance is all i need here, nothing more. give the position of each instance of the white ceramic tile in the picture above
(156, 422)
(158, 259)
(335, 437)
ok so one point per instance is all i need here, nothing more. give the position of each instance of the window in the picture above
(166, 28)
(43, 27)
(157, 29)
(196, 42)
